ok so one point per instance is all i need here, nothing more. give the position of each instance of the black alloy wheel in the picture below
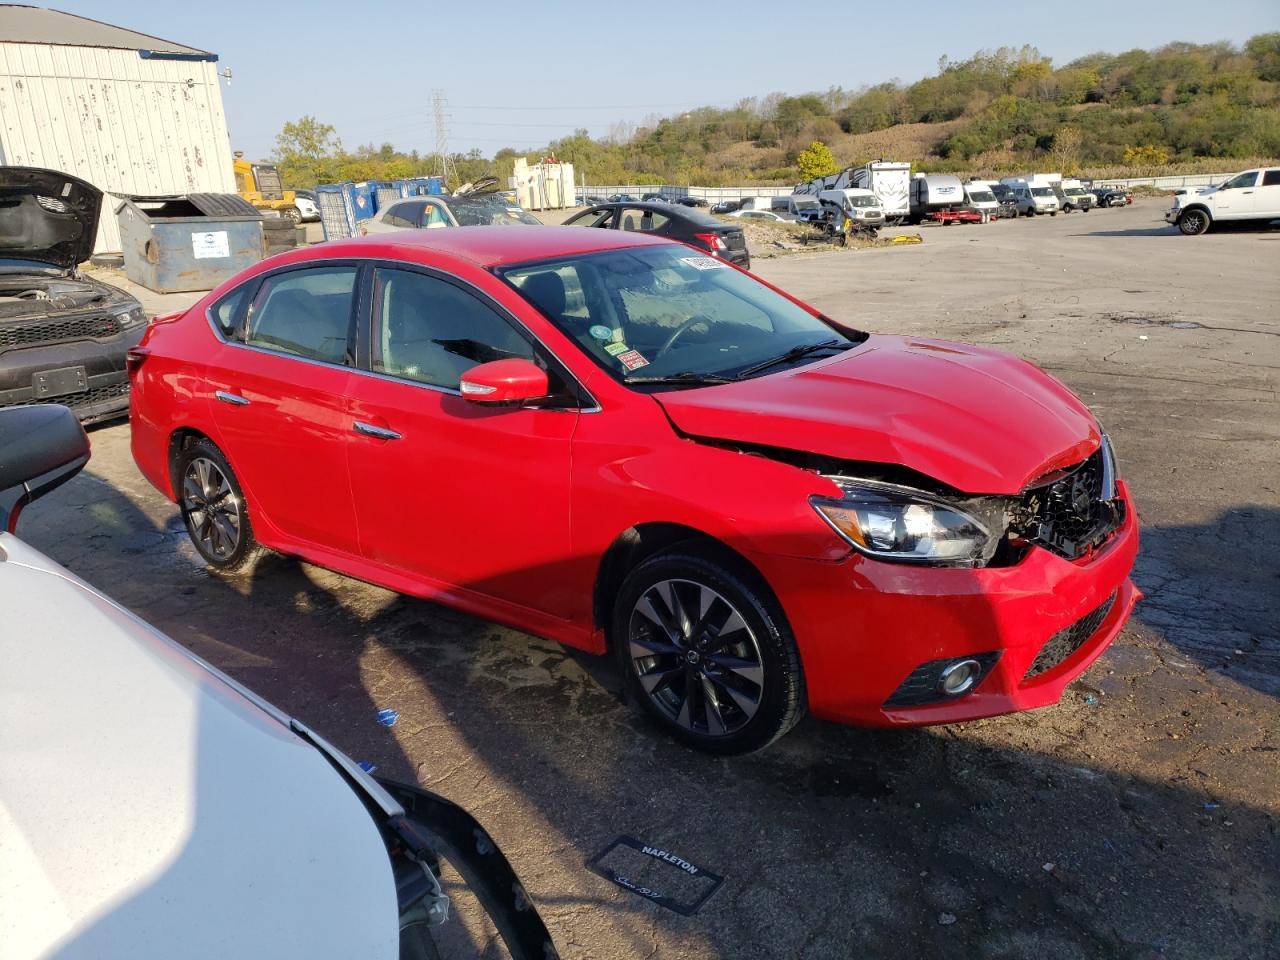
(707, 653)
(213, 507)
(1193, 222)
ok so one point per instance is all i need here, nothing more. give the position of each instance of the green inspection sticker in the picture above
(613, 349)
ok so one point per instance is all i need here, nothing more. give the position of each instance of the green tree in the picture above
(815, 161)
(307, 152)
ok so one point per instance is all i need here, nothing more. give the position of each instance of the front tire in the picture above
(213, 508)
(1192, 223)
(706, 653)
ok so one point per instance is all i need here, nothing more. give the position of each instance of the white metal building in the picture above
(130, 113)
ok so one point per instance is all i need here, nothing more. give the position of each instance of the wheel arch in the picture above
(179, 440)
(1203, 208)
(640, 542)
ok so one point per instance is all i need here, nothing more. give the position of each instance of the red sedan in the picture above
(626, 445)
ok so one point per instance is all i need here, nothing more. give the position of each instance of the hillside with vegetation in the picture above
(1181, 108)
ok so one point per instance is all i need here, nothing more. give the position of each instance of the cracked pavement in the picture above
(1137, 819)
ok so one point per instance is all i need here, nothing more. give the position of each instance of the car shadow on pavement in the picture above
(1169, 230)
(1108, 826)
(1230, 622)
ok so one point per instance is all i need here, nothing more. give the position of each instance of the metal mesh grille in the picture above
(57, 330)
(75, 401)
(1068, 640)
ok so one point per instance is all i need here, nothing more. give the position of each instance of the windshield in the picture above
(488, 211)
(982, 196)
(1074, 191)
(863, 201)
(1041, 192)
(806, 204)
(660, 311)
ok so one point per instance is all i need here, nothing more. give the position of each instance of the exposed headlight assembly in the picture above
(896, 523)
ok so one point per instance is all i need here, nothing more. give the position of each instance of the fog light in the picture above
(959, 677)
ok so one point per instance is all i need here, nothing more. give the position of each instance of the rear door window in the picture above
(600, 218)
(1271, 178)
(304, 313)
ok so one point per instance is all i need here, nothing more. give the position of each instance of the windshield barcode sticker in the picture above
(704, 263)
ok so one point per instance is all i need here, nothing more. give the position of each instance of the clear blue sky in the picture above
(521, 74)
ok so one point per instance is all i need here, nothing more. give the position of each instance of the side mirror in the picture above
(41, 447)
(504, 381)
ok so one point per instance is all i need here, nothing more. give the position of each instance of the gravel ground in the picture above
(1137, 819)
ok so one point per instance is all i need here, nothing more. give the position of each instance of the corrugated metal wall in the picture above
(126, 124)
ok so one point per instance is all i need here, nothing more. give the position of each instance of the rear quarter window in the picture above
(226, 312)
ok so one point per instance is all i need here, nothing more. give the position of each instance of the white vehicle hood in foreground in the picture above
(149, 808)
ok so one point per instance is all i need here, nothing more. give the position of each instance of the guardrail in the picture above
(1167, 183)
(668, 192)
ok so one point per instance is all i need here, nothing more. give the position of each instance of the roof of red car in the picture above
(491, 246)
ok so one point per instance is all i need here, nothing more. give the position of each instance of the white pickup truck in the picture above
(1252, 195)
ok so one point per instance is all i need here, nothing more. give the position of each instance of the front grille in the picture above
(921, 685)
(1068, 515)
(1068, 640)
(76, 401)
(57, 330)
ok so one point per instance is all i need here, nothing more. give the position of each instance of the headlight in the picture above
(1108, 466)
(889, 522)
(131, 318)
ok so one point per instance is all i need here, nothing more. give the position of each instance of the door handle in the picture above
(369, 430)
(232, 398)
(1246, 191)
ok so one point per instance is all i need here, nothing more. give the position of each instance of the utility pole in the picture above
(440, 104)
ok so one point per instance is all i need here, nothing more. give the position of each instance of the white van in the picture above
(1032, 196)
(860, 206)
(979, 195)
(1252, 195)
(1075, 196)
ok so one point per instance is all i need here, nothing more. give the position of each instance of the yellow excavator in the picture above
(260, 184)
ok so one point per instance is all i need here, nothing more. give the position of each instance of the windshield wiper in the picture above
(687, 377)
(795, 353)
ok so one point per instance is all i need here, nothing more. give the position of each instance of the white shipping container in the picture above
(130, 114)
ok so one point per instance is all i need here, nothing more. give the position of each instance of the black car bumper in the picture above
(89, 376)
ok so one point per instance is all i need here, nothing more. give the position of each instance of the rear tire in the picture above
(1192, 223)
(213, 508)
(706, 652)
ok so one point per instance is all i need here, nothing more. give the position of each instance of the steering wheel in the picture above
(679, 332)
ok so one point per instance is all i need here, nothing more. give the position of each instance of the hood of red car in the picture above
(977, 420)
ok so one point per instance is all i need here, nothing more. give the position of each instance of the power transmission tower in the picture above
(440, 104)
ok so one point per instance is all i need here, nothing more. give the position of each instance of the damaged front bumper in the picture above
(866, 629)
